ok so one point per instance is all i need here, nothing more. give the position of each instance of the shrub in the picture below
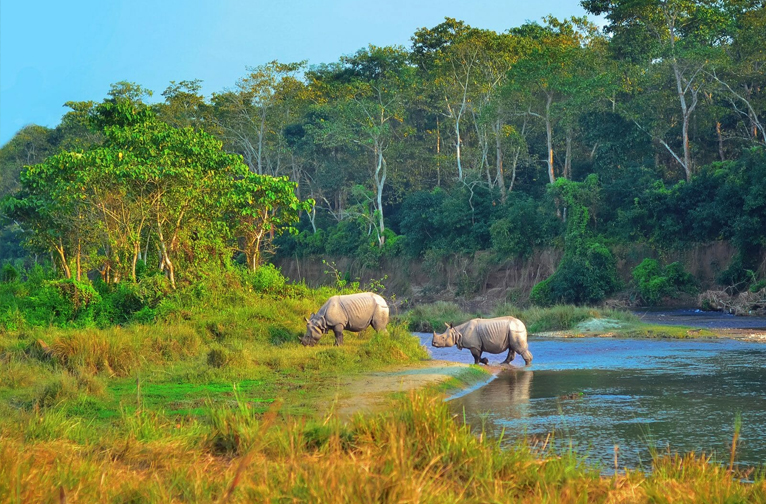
(526, 225)
(268, 279)
(654, 282)
(432, 317)
(579, 279)
(8, 273)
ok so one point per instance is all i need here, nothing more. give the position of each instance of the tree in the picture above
(261, 207)
(373, 87)
(184, 105)
(673, 36)
(253, 116)
(551, 76)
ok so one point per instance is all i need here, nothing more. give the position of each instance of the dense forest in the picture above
(554, 134)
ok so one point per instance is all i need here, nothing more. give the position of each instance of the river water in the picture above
(638, 394)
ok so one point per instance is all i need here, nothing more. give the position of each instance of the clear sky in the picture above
(55, 51)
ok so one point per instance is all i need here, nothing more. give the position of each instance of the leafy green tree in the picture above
(260, 208)
(673, 38)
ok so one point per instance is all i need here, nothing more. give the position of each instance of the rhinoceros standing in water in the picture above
(493, 335)
(353, 312)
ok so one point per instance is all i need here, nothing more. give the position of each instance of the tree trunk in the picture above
(720, 140)
(457, 149)
(136, 253)
(380, 181)
(438, 154)
(549, 135)
(166, 262)
(499, 177)
(62, 257)
(78, 260)
(568, 156)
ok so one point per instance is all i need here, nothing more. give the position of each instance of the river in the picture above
(638, 394)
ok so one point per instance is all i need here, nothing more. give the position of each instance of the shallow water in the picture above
(596, 393)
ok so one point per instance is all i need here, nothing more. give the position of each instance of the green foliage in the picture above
(655, 282)
(267, 279)
(526, 225)
(587, 272)
(433, 317)
(8, 273)
(469, 140)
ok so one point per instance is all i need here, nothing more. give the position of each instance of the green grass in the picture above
(432, 317)
(429, 317)
(556, 318)
(224, 405)
(415, 451)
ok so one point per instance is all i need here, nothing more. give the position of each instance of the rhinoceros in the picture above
(493, 335)
(352, 312)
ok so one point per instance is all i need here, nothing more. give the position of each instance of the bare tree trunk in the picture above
(166, 262)
(62, 256)
(457, 150)
(499, 177)
(380, 181)
(260, 143)
(549, 135)
(136, 253)
(568, 156)
(438, 154)
(720, 140)
(78, 261)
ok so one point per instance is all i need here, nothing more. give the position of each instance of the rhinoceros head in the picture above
(446, 339)
(315, 328)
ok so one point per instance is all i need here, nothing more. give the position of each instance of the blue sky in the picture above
(52, 52)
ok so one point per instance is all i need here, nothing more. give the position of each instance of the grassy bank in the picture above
(574, 320)
(217, 401)
(416, 452)
(429, 317)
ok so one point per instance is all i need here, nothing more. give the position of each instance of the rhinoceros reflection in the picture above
(507, 396)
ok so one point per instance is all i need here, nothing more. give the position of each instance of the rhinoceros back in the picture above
(356, 312)
(494, 335)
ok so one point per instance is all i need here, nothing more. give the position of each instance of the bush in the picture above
(579, 279)
(8, 273)
(345, 238)
(526, 225)
(655, 283)
(432, 317)
(267, 279)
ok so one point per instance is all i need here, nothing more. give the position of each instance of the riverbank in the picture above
(225, 405)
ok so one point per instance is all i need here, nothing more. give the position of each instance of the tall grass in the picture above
(429, 317)
(560, 317)
(432, 317)
(414, 452)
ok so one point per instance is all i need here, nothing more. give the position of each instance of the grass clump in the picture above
(432, 317)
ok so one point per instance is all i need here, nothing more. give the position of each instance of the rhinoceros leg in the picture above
(338, 330)
(477, 357)
(511, 356)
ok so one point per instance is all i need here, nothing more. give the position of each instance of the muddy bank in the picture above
(372, 392)
(480, 282)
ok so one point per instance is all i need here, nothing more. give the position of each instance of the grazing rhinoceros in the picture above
(353, 312)
(493, 335)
